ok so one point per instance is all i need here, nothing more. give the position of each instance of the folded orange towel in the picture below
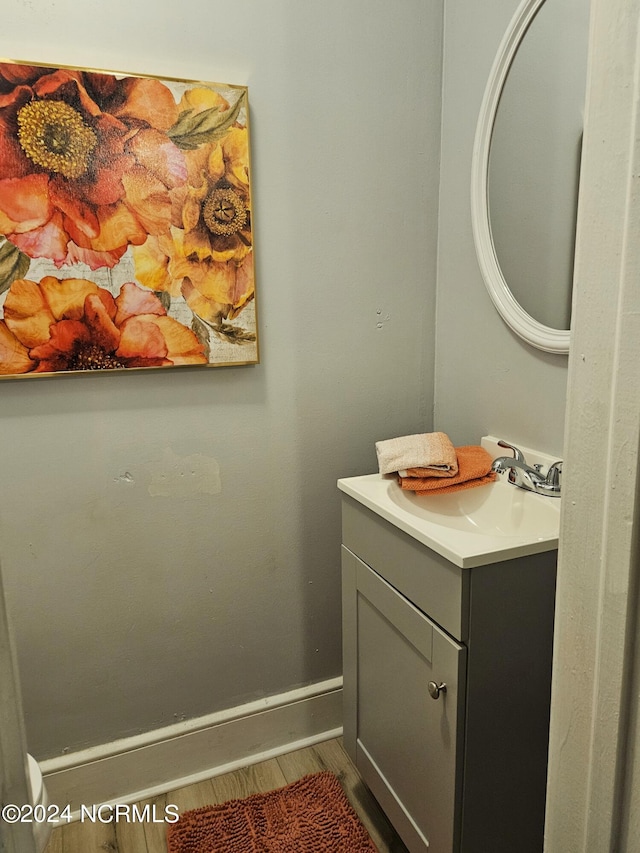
(474, 469)
(431, 450)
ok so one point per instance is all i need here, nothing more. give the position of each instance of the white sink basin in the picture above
(496, 509)
(473, 527)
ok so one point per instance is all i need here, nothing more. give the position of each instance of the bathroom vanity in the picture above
(447, 637)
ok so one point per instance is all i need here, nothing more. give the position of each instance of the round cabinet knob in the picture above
(436, 689)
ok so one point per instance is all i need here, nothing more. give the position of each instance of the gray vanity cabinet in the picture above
(459, 768)
(402, 733)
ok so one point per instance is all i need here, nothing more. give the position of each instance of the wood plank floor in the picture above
(149, 837)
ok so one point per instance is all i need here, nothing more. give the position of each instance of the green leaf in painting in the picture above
(165, 299)
(234, 334)
(194, 129)
(190, 122)
(201, 331)
(13, 264)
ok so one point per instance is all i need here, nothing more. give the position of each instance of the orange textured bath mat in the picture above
(312, 815)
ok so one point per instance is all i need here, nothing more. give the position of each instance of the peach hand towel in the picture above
(474, 469)
(431, 450)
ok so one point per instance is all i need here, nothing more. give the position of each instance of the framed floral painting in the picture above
(125, 222)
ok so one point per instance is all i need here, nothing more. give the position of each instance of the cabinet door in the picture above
(405, 742)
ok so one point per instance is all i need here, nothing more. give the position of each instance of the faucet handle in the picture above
(517, 453)
(553, 474)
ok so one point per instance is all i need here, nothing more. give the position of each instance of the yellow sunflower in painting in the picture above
(206, 256)
(214, 290)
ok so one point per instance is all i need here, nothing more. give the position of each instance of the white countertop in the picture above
(472, 527)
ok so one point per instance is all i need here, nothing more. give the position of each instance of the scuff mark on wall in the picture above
(182, 476)
(381, 322)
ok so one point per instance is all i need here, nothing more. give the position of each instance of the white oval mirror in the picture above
(525, 169)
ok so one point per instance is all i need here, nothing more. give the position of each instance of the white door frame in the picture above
(592, 762)
(17, 837)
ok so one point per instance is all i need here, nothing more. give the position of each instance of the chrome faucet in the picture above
(528, 477)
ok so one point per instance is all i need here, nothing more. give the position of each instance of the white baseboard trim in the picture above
(132, 769)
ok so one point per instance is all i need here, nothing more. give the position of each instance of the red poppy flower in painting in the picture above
(86, 165)
(14, 356)
(72, 324)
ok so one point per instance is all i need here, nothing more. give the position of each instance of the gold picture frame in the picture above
(126, 232)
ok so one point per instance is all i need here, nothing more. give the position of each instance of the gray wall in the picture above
(170, 540)
(487, 380)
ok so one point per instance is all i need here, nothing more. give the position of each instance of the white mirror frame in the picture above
(523, 324)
